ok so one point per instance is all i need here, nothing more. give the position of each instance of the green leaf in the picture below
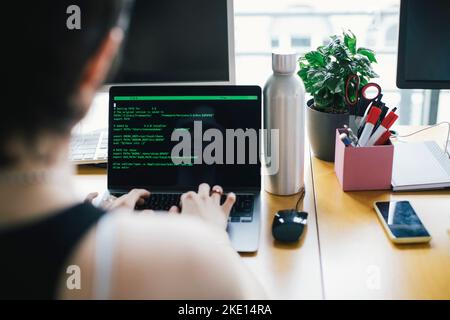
(323, 98)
(340, 86)
(363, 82)
(303, 64)
(315, 58)
(322, 50)
(368, 53)
(303, 74)
(350, 41)
(331, 83)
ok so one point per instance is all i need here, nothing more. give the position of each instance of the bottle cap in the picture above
(284, 62)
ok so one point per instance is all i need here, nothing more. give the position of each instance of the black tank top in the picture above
(33, 256)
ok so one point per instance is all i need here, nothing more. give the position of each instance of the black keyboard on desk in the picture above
(242, 210)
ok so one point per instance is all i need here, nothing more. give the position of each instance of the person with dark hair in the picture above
(53, 246)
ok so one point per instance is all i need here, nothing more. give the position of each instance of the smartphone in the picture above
(401, 222)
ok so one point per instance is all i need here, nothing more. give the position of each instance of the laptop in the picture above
(169, 139)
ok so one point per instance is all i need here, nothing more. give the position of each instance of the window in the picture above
(391, 36)
(300, 42)
(262, 25)
(275, 43)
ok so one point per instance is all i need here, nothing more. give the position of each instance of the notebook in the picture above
(420, 166)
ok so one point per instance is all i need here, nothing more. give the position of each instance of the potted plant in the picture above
(324, 72)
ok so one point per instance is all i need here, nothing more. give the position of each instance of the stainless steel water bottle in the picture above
(284, 98)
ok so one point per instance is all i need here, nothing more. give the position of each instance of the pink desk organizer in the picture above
(363, 168)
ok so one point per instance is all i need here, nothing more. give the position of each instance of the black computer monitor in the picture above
(424, 45)
(178, 41)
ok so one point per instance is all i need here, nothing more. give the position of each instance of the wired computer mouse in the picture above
(288, 225)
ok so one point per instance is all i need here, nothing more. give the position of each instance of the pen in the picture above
(384, 111)
(362, 122)
(383, 139)
(372, 119)
(351, 135)
(384, 126)
(346, 140)
(361, 110)
(364, 111)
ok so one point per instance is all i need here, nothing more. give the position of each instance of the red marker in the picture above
(383, 139)
(372, 119)
(384, 126)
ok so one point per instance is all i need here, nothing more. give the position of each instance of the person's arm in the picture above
(168, 255)
(178, 257)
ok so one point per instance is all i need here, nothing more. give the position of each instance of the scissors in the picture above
(362, 99)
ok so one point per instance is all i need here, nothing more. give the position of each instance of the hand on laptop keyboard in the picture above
(206, 205)
(233, 208)
(242, 210)
(210, 204)
(129, 200)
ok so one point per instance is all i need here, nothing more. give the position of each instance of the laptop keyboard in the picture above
(242, 210)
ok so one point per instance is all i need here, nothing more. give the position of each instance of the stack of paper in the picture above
(420, 166)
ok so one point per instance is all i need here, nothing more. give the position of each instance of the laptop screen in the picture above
(176, 137)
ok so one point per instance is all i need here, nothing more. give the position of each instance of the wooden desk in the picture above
(359, 261)
(289, 271)
(344, 253)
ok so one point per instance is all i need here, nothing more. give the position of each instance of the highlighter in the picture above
(372, 119)
(385, 125)
(383, 139)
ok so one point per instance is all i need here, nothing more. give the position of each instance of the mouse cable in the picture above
(429, 127)
(300, 198)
